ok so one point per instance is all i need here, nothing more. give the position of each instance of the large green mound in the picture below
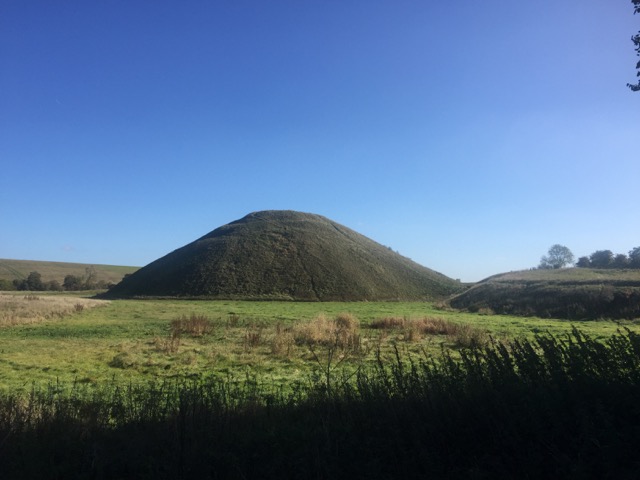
(286, 255)
(572, 293)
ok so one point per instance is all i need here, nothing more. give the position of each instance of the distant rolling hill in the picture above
(571, 293)
(286, 255)
(20, 269)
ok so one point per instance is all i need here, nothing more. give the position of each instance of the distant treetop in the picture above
(558, 256)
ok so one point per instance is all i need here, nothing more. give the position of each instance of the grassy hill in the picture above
(572, 293)
(286, 255)
(20, 269)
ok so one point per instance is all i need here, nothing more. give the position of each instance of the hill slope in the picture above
(286, 255)
(572, 293)
(20, 269)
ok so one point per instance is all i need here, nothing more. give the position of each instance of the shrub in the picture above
(54, 286)
(72, 283)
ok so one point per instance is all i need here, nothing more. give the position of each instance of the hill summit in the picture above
(287, 255)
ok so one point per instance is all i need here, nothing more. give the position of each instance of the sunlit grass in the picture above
(134, 341)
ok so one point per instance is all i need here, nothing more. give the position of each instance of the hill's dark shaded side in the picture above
(286, 255)
(571, 293)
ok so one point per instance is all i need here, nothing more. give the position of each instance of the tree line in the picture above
(607, 259)
(560, 256)
(34, 282)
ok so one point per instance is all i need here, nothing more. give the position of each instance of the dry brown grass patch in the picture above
(343, 332)
(194, 325)
(388, 323)
(413, 330)
(252, 338)
(25, 309)
(283, 341)
(169, 344)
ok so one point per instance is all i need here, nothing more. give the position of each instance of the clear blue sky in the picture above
(468, 136)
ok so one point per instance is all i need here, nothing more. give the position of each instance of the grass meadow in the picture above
(233, 389)
(65, 339)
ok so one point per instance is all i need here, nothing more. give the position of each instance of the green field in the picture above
(237, 389)
(132, 341)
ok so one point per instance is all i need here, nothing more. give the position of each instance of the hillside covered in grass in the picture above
(286, 255)
(19, 269)
(571, 293)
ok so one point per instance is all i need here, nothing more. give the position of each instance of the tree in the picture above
(636, 41)
(601, 259)
(583, 262)
(6, 285)
(634, 258)
(34, 281)
(620, 261)
(72, 282)
(90, 275)
(558, 256)
(54, 286)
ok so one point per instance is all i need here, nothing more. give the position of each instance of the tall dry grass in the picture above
(462, 335)
(25, 309)
(342, 332)
(194, 325)
(283, 341)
